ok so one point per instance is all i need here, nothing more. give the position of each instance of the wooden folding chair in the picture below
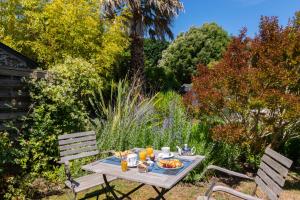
(270, 177)
(76, 146)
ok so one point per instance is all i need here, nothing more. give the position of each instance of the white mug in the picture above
(165, 150)
(132, 159)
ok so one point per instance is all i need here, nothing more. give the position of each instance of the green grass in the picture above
(182, 191)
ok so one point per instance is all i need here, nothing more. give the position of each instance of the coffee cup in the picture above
(165, 150)
(132, 159)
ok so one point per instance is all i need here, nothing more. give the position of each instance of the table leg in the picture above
(110, 189)
(160, 193)
(132, 191)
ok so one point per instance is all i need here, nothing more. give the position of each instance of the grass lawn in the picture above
(184, 190)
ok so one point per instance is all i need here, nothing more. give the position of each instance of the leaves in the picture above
(201, 45)
(48, 32)
(254, 88)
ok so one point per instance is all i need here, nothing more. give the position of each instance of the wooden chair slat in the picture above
(265, 188)
(76, 151)
(74, 135)
(75, 140)
(275, 165)
(278, 157)
(77, 145)
(270, 172)
(270, 176)
(269, 182)
(81, 155)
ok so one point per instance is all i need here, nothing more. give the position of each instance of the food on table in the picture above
(143, 155)
(122, 154)
(142, 167)
(171, 164)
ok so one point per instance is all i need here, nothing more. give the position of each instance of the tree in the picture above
(199, 45)
(254, 89)
(147, 17)
(153, 51)
(296, 20)
(49, 31)
(156, 77)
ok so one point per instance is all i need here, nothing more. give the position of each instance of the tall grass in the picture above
(128, 119)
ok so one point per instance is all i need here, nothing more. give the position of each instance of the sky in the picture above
(233, 15)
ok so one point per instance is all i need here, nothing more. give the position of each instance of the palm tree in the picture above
(148, 17)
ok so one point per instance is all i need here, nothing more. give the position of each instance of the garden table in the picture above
(157, 178)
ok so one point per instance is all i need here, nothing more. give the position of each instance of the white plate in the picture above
(170, 168)
(164, 156)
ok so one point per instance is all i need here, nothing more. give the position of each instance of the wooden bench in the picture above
(76, 146)
(270, 177)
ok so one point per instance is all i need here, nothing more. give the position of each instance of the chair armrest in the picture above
(233, 173)
(233, 192)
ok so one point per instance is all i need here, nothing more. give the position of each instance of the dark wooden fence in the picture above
(14, 99)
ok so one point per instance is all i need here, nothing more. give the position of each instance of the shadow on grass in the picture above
(102, 191)
(292, 182)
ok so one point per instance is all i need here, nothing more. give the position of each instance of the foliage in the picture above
(291, 149)
(60, 106)
(151, 18)
(157, 78)
(296, 20)
(199, 45)
(130, 119)
(153, 51)
(58, 109)
(122, 118)
(78, 75)
(49, 31)
(8, 153)
(155, 19)
(254, 89)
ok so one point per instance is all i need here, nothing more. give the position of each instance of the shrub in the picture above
(199, 45)
(124, 121)
(254, 89)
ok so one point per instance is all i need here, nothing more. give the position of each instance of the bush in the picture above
(254, 90)
(203, 45)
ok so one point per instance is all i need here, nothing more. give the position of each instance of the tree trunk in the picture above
(137, 57)
(137, 46)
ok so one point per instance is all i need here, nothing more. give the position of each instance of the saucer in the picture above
(162, 155)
